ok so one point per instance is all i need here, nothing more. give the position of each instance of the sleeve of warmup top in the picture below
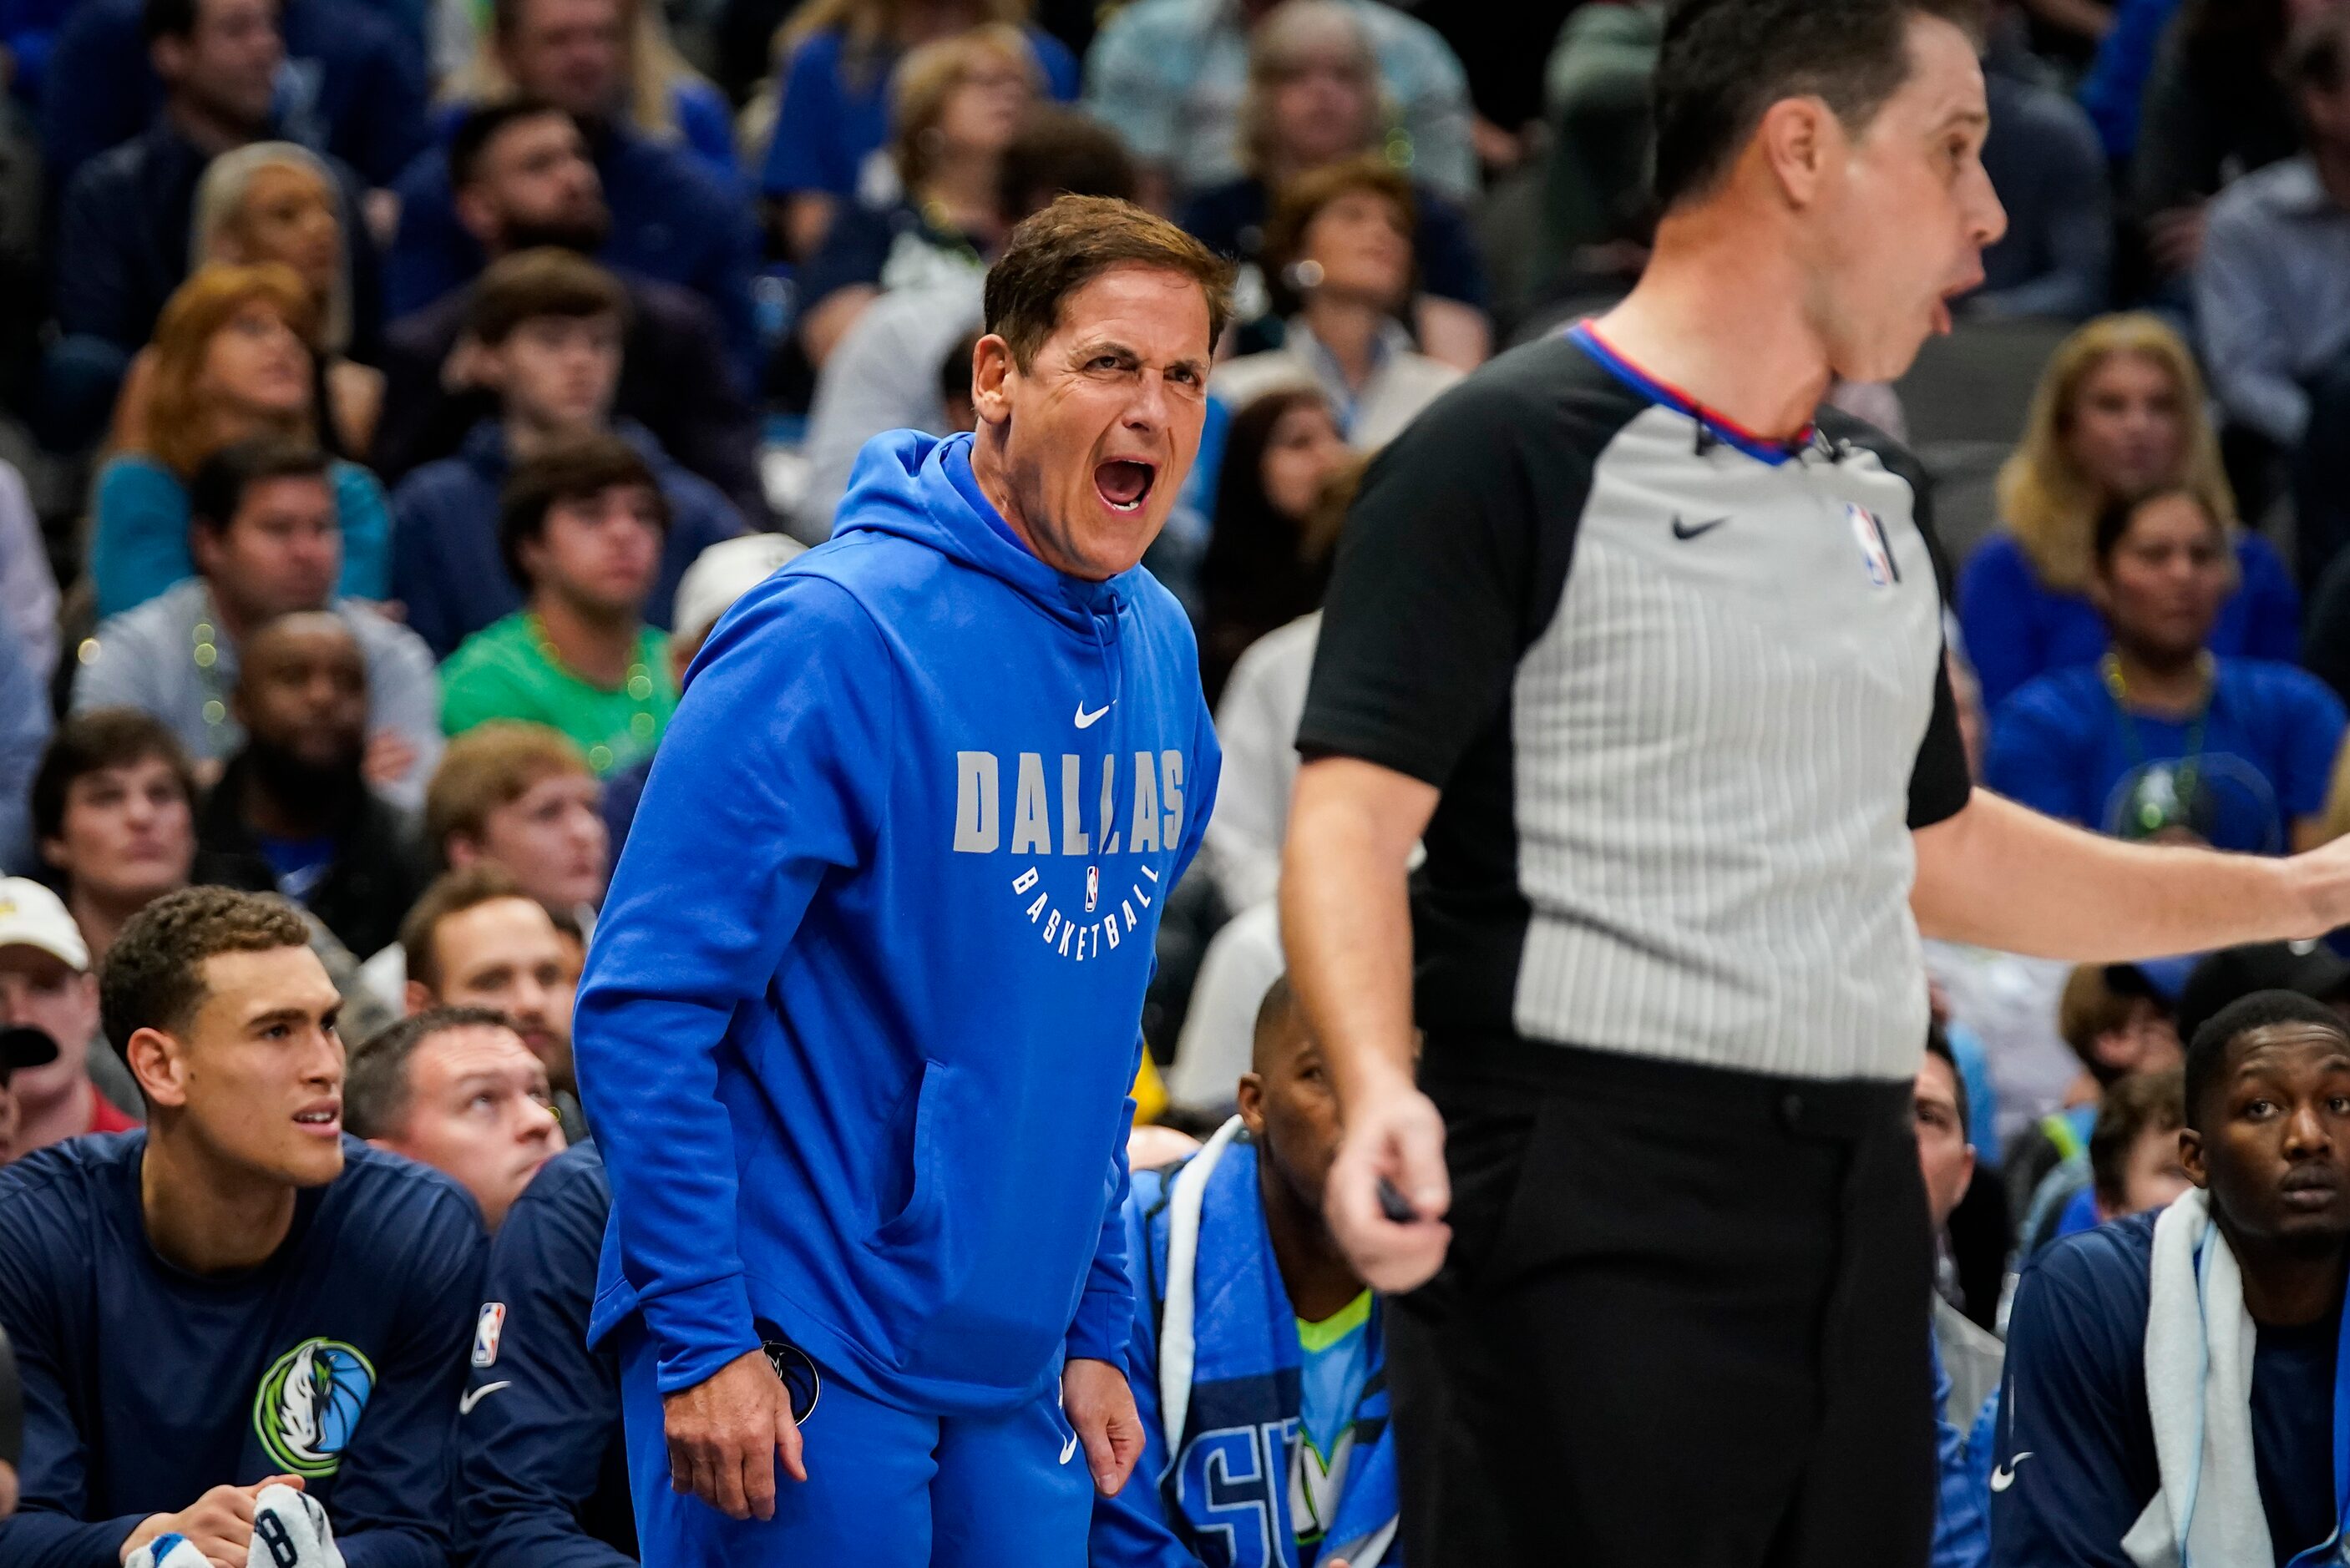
(11, 1406)
(1131, 1530)
(1436, 582)
(772, 777)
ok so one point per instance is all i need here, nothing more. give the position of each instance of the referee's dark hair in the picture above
(1723, 63)
(2207, 1053)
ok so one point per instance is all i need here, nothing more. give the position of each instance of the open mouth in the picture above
(326, 1118)
(1124, 482)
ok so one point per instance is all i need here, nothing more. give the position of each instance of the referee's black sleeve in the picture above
(1453, 558)
(1939, 782)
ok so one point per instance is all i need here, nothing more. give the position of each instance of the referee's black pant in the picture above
(1684, 1320)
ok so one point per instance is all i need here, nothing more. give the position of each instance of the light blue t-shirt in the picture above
(1330, 1382)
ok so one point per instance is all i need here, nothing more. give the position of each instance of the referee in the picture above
(1645, 647)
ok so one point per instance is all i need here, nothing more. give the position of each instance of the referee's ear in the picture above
(992, 370)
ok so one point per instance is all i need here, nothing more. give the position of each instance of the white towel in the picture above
(2199, 1342)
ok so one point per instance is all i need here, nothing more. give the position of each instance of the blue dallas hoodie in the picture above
(863, 1004)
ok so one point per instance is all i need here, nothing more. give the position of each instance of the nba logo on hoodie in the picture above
(1093, 888)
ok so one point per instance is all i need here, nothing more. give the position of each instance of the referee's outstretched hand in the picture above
(1395, 1135)
(726, 1434)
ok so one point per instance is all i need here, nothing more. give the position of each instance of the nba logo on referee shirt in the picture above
(1870, 534)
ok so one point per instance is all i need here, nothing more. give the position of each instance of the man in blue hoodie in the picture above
(863, 1004)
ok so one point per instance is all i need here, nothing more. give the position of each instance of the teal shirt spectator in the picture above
(138, 546)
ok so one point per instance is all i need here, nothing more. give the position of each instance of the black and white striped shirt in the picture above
(1682, 692)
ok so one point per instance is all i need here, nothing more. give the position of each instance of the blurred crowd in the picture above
(394, 393)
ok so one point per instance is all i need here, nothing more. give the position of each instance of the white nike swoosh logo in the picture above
(2004, 1475)
(1086, 719)
(1071, 1445)
(473, 1397)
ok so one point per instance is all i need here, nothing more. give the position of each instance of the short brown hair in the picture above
(93, 741)
(1059, 250)
(451, 893)
(153, 976)
(376, 1091)
(575, 468)
(489, 766)
(1301, 200)
(2139, 1103)
(542, 281)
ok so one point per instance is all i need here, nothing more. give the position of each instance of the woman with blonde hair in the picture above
(663, 98)
(957, 104)
(277, 202)
(2120, 410)
(233, 356)
(832, 121)
(1314, 100)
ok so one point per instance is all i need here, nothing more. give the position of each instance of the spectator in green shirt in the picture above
(581, 527)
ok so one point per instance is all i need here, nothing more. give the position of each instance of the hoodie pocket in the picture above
(922, 1204)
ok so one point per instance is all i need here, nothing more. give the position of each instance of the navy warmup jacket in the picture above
(338, 1359)
(542, 1475)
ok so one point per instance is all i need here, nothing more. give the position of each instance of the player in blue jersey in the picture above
(239, 1292)
(863, 1004)
(542, 1478)
(1257, 1358)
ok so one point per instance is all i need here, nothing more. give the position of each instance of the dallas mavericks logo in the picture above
(309, 1404)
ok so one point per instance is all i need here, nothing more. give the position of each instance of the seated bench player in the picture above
(2174, 1380)
(1256, 1359)
(239, 1294)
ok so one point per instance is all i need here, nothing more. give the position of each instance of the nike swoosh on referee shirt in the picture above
(1688, 531)
(2004, 1476)
(473, 1397)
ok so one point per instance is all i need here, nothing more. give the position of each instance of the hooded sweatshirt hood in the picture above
(892, 895)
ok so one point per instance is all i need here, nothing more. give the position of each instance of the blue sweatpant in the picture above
(885, 1488)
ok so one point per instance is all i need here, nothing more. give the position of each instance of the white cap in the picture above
(722, 573)
(33, 917)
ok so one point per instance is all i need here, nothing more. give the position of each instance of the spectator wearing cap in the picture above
(455, 1088)
(295, 798)
(267, 542)
(547, 328)
(581, 525)
(719, 576)
(48, 1021)
(670, 217)
(2119, 1020)
(1338, 255)
(1170, 76)
(2162, 739)
(1313, 99)
(523, 179)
